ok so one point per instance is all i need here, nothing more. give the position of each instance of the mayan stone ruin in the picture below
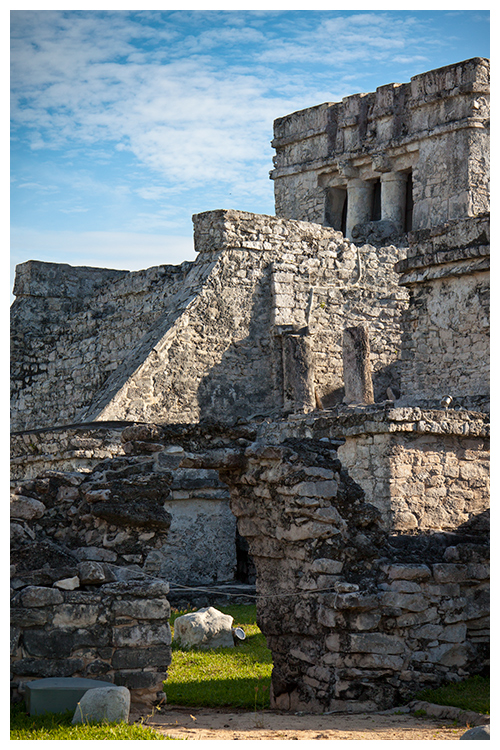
(305, 405)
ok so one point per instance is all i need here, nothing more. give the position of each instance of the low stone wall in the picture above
(117, 632)
(359, 612)
(426, 470)
(356, 619)
(78, 448)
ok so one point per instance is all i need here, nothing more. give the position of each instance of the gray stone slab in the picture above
(57, 694)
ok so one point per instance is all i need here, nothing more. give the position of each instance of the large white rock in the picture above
(108, 704)
(207, 627)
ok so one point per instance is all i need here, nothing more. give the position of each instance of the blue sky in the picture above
(125, 123)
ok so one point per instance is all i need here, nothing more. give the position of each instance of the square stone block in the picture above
(57, 694)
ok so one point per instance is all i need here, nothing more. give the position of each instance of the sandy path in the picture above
(217, 724)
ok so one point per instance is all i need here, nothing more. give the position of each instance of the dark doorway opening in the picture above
(409, 204)
(376, 212)
(245, 568)
(336, 208)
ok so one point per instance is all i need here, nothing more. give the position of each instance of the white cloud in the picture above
(192, 106)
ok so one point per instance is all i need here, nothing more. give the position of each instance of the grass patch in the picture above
(59, 727)
(472, 694)
(239, 676)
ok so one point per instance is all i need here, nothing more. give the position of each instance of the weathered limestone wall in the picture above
(424, 471)
(104, 505)
(72, 327)
(446, 342)
(434, 128)
(356, 619)
(211, 341)
(358, 613)
(116, 632)
(224, 357)
(66, 449)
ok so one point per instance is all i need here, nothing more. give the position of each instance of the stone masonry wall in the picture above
(426, 471)
(104, 505)
(446, 327)
(117, 632)
(356, 620)
(430, 476)
(207, 343)
(224, 360)
(72, 327)
(70, 449)
(358, 615)
(436, 127)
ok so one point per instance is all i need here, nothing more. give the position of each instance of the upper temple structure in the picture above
(407, 157)
(310, 397)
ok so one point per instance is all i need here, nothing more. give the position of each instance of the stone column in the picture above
(298, 379)
(359, 203)
(357, 369)
(393, 197)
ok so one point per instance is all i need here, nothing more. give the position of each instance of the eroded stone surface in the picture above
(103, 705)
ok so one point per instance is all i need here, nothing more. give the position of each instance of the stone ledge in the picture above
(377, 419)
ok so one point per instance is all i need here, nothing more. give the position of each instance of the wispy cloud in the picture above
(190, 99)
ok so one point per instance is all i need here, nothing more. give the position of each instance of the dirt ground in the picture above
(217, 724)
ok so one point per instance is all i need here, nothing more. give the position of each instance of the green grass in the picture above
(239, 676)
(59, 727)
(472, 694)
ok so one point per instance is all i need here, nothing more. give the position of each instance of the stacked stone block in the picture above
(116, 632)
(353, 623)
